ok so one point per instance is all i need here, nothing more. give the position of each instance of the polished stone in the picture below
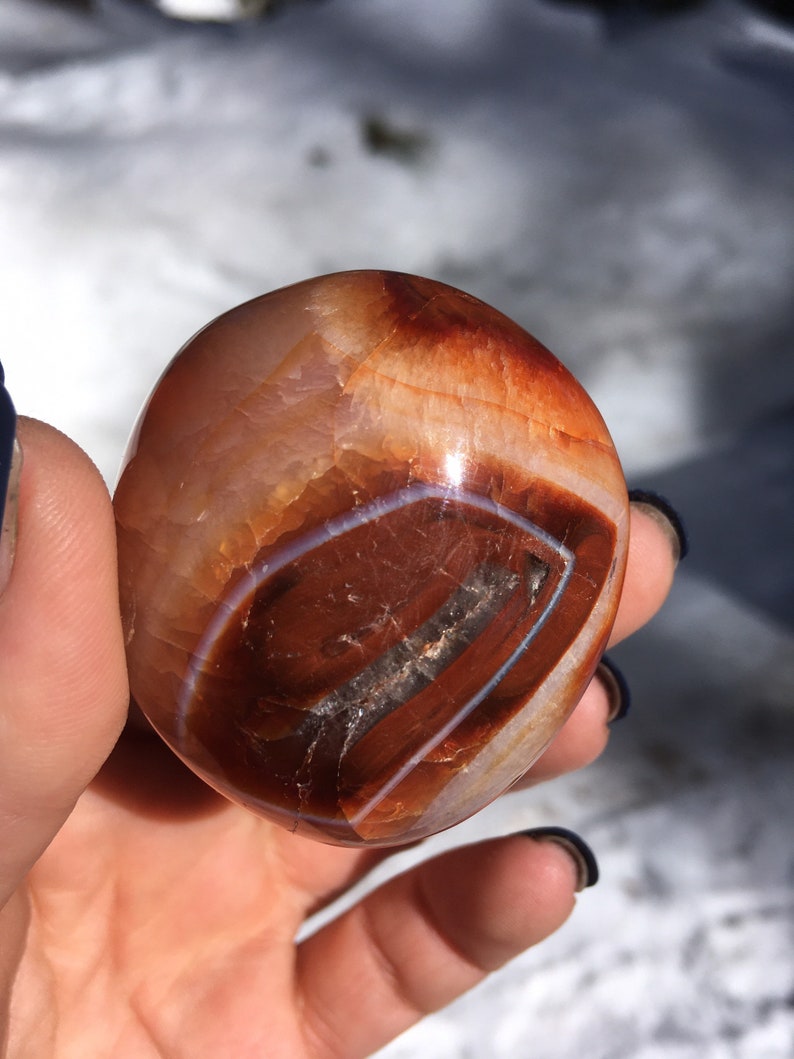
(371, 541)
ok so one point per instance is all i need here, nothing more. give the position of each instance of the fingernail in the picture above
(10, 465)
(617, 689)
(576, 848)
(665, 515)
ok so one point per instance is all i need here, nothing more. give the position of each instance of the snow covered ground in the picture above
(627, 194)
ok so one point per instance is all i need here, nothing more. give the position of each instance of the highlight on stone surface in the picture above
(372, 537)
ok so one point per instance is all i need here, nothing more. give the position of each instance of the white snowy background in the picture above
(625, 190)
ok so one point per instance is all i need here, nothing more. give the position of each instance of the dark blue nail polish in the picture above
(576, 847)
(617, 689)
(10, 463)
(8, 432)
(666, 515)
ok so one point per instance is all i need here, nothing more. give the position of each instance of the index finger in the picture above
(655, 546)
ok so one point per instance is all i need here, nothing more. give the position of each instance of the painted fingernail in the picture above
(576, 848)
(10, 465)
(613, 681)
(665, 515)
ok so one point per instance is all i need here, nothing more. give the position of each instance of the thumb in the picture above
(63, 690)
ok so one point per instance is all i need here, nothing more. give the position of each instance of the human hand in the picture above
(147, 916)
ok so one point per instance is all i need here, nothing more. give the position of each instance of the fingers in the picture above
(579, 742)
(426, 937)
(63, 691)
(653, 553)
(652, 560)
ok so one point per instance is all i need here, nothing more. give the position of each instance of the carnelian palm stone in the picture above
(371, 541)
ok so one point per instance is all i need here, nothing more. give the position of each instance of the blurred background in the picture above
(619, 178)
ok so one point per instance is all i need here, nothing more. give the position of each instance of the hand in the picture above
(146, 916)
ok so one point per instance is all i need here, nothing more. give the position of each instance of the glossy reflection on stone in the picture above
(371, 541)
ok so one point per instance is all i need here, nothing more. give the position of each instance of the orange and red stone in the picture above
(372, 537)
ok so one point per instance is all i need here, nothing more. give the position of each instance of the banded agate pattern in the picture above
(371, 541)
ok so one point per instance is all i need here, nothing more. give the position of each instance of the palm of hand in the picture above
(163, 923)
(166, 924)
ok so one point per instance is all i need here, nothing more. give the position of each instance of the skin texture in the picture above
(146, 917)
